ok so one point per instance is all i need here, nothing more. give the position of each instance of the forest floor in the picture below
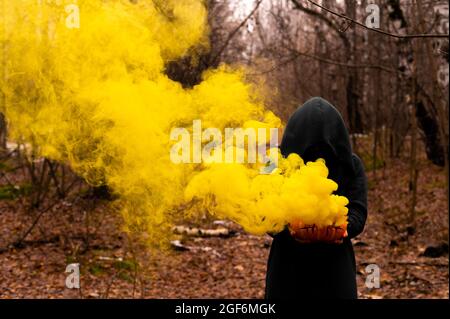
(216, 267)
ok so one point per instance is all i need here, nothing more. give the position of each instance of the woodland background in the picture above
(391, 86)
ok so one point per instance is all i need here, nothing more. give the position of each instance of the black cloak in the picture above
(320, 270)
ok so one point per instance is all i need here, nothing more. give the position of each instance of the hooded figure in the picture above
(320, 270)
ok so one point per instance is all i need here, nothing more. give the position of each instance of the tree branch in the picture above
(297, 54)
(233, 33)
(408, 36)
(327, 21)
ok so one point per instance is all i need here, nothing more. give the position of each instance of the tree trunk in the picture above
(352, 84)
(430, 129)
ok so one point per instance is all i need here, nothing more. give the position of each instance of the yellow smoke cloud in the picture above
(266, 203)
(96, 97)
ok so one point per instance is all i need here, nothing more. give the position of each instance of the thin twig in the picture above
(297, 54)
(398, 36)
(233, 33)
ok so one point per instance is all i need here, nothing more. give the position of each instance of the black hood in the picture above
(317, 126)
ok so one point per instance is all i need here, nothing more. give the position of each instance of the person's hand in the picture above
(311, 233)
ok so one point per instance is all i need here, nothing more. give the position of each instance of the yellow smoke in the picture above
(95, 96)
(266, 203)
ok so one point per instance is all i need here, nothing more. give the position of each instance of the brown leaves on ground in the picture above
(115, 267)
